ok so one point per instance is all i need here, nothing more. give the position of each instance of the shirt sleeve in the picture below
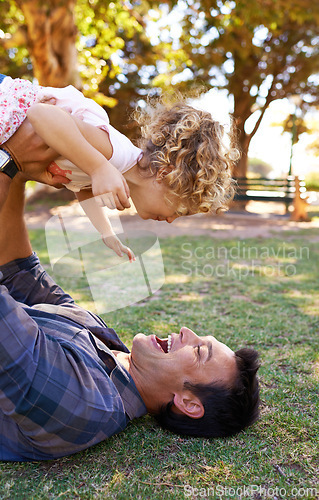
(28, 282)
(59, 397)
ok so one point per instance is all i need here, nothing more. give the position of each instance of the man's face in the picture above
(163, 366)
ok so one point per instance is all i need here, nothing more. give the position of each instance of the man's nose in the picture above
(187, 334)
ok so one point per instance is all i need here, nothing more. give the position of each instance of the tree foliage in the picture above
(97, 45)
(47, 31)
(115, 54)
(312, 181)
(313, 127)
(256, 50)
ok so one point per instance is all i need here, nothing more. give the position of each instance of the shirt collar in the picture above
(105, 339)
(133, 403)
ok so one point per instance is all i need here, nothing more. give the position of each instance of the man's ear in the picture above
(163, 171)
(189, 404)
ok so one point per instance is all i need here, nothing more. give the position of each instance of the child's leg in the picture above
(16, 96)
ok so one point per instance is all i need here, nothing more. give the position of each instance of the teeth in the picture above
(169, 343)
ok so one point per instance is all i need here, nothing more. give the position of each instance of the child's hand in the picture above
(115, 244)
(110, 188)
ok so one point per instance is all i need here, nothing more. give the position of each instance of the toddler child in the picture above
(182, 165)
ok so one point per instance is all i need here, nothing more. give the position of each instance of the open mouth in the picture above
(165, 344)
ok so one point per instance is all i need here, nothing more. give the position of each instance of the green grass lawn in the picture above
(257, 293)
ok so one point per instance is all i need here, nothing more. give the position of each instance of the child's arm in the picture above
(60, 131)
(100, 221)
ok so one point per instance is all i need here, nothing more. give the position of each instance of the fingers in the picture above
(118, 250)
(53, 100)
(124, 196)
(121, 205)
(127, 189)
(126, 250)
(58, 180)
(130, 254)
(106, 200)
(123, 201)
(67, 109)
(117, 246)
(48, 100)
(52, 180)
(112, 202)
(110, 192)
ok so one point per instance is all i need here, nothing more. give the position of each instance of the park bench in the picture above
(290, 191)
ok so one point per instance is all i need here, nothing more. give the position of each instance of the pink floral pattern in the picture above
(56, 170)
(16, 97)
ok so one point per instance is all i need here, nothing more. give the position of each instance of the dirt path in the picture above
(253, 224)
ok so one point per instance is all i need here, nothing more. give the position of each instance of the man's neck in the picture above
(123, 358)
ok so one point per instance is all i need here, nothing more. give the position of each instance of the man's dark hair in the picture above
(227, 410)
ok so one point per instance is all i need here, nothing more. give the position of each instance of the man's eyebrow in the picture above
(210, 350)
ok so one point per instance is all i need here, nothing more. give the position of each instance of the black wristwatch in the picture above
(7, 164)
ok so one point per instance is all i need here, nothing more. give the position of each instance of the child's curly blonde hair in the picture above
(187, 144)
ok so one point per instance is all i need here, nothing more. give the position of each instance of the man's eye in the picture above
(198, 350)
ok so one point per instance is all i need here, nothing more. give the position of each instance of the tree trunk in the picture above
(241, 166)
(51, 35)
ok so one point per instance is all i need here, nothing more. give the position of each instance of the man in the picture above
(67, 382)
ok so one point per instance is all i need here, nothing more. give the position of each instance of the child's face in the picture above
(150, 202)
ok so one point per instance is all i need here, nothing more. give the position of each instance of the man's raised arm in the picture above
(14, 238)
(31, 156)
(5, 182)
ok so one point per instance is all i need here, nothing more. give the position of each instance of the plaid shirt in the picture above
(61, 388)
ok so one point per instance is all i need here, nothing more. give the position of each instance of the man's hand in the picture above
(32, 156)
